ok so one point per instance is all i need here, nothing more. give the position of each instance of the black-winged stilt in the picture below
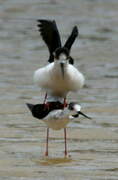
(56, 116)
(60, 76)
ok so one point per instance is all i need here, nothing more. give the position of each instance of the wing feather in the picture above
(50, 34)
(71, 38)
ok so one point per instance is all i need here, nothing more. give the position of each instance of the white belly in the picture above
(57, 124)
(51, 79)
(57, 119)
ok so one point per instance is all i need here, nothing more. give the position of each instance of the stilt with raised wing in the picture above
(60, 76)
(56, 116)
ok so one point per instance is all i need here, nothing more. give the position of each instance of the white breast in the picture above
(57, 119)
(50, 78)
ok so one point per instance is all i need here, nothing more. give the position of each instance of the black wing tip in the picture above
(75, 30)
(45, 20)
(41, 20)
(30, 106)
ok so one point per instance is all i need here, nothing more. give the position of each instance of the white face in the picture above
(77, 107)
(62, 57)
(62, 62)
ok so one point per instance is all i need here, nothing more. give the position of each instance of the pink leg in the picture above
(65, 142)
(65, 104)
(46, 153)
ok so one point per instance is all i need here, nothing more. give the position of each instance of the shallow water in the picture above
(92, 144)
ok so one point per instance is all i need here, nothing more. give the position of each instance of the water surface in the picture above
(92, 144)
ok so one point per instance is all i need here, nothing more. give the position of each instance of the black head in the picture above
(59, 51)
(65, 52)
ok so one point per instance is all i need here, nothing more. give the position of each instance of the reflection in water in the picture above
(53, 161)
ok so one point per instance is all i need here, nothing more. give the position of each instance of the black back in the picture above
(41, 110)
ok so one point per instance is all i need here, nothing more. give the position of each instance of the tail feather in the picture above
(30, 106)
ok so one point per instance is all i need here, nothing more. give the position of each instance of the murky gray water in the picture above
(92, 144)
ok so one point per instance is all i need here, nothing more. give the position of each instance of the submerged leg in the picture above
(46, 153)
(65, 142)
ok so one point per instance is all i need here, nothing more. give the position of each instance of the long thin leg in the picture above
(46, 153)
(65, 142)
(65, 104)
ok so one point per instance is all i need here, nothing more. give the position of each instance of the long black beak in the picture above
(78, 113)
(84, 115)
(62, 68)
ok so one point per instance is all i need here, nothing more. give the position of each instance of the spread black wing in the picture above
(71, 38)
(50, 35)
